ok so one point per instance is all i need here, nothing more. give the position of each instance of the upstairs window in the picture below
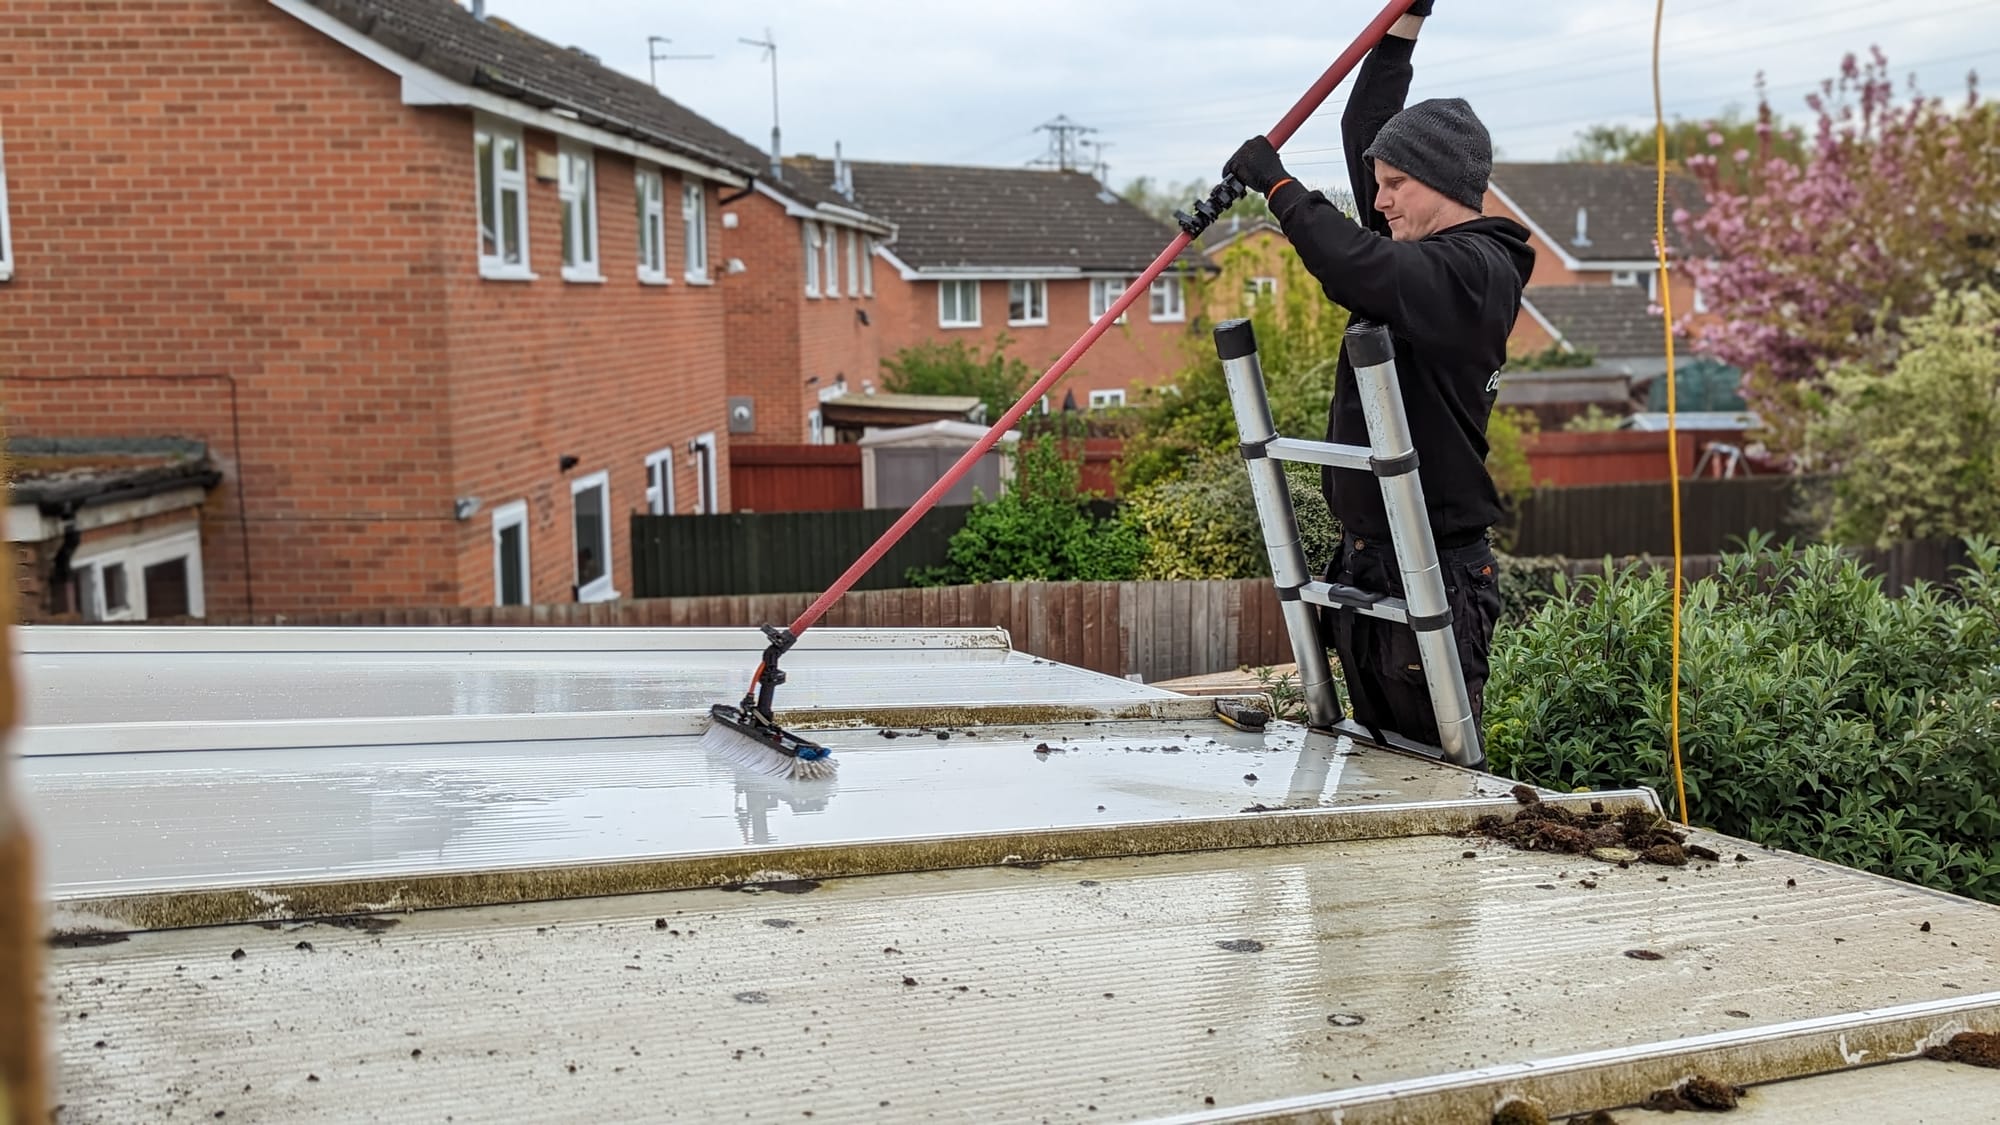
(812, 258)
(576, 180)
(503, 201)
(1027, 302)
(958, 304)
(6, 241)
(1104, 292)
(694, 230)
(650, 189)
(829, 267)
(1167, 299)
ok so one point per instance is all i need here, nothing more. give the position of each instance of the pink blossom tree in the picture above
(1811, 264)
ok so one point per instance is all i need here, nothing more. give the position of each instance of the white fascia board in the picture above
(128, 511)
(1528, 306)
(824, 213)
(425, 87)
(27, 524)
(903, 269)
(1569, 260)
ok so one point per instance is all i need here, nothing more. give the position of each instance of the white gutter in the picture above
(425, 87)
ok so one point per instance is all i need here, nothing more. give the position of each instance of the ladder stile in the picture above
(1392, 457)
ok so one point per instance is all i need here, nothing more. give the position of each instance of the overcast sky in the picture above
(1172, 86)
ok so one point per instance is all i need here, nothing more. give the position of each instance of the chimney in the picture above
(1582, 228)
(840, 184)
(479, 9)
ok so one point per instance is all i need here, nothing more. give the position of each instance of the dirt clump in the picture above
(1641, 834)
(1697, 1093)
(1978, 1048)
(1519, 1112)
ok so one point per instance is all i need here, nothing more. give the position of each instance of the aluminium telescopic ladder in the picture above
(1392, 457)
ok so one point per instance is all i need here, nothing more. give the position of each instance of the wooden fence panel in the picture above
(1592, 521)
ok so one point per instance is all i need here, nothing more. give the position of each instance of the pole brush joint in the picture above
(1206, 211)
(763, 691)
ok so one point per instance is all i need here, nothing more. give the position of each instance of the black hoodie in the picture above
(1449, 301)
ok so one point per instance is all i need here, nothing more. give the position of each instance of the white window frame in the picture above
(1257, 288)
(815, 428)
(513, 514)
(853, 263)
(601, 588)
(660, 496)
(1034, 299)
(649, 185)
(1104, 293)
(1626, 279)
(576, 187)
(961, 288)
(811, 235)
(829, 266)
(867, 260)
(1165, 303)
(496, 265)
(706, 491)
(135, 557)
(1700, 300)
(6, 227)
(1104, 400)
(694, 231)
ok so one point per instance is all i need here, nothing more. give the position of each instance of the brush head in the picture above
(744, 736)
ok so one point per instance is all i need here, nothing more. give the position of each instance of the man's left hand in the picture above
(1256, 166)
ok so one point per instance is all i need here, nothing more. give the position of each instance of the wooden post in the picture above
(23, 1097)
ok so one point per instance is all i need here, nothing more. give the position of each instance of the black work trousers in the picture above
(1379, 660)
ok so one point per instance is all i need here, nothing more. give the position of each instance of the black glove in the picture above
(1256, 166)
(1420, 8)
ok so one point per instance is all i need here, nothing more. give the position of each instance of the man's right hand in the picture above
(1256, 166)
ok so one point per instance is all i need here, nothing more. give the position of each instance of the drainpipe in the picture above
(57, 594)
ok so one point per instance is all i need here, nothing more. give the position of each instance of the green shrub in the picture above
(1919, 444)
(1201, 524)
(1041, 529)
(1819, 714)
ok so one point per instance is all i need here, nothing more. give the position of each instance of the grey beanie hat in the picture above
(1440, 142)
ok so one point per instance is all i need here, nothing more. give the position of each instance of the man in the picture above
(1447, 283)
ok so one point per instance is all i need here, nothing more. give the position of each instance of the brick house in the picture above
(1255, 261)
(1596, 280)
(802, 304)
(1035, 255)
(436, 297)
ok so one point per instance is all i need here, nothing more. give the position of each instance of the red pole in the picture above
(1279, 134)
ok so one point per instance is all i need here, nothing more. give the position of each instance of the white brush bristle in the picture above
(755, 757)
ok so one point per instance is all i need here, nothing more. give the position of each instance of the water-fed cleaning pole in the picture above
(757, 702)
(1279, 134)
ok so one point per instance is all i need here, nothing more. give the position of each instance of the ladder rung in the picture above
(1335, 596)
(1320, 453)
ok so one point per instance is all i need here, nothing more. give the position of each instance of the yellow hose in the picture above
(1673, 427)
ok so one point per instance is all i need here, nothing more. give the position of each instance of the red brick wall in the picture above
(1136, 353)
(779, 338)
(251, 202)
(607, 373)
